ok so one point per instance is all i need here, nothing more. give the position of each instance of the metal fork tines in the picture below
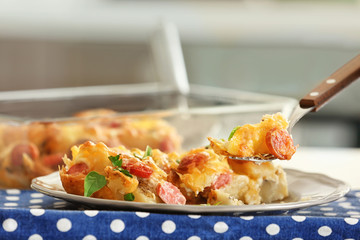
(257, 159)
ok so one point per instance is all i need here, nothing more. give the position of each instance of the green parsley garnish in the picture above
(129, 197)
(233, 132)
(137, 156)
(93, 182)
(148, 152)
(125, 172)
(117, 162)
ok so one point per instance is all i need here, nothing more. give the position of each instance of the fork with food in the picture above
(270, 139)
(261, 142)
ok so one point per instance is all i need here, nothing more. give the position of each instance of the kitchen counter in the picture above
(339, 163)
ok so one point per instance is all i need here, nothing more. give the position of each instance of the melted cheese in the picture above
(249, 139)
(195, 175)
(198, 177)
(96, 156)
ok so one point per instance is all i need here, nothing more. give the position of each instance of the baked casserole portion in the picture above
(29, 150)
(204, 175)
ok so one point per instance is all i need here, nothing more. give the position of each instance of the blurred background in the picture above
(275, 47)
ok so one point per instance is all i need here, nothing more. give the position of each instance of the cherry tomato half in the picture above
(138, 169)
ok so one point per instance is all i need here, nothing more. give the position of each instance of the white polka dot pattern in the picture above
(346, 205)
(37, 212)
(91, 213)
(63, 225)
(10, 204)
(246, 238)
(35, 206)
(353, 213)
(37, 195)
(194, 238)
(247, 218)
(299, 218)
(36, 201)
(13, 191)
(117, 226)
(142, 238)
(10, 225)
(89, 237)
(330, 214)
(324, 231)
(273, 229)
(142, 214)
(221, 227)
(12, 198)
(351, 221)
(35, 237)
(87, 224)
(60, 204)
(304, 212)
(168, 226)
(326, 209)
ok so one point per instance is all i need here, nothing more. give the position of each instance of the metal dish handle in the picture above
(168, 57)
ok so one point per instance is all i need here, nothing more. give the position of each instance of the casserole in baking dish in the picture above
(37, 127)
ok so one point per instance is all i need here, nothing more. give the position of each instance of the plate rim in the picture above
(340, 190)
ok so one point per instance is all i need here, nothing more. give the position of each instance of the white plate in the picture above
(305, 190)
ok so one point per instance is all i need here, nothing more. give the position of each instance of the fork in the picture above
(316, 99)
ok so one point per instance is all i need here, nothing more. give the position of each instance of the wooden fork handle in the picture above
(329, 87)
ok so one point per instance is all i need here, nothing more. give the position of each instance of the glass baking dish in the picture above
(37, 127)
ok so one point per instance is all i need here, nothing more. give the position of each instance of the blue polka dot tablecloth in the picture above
(34, 216)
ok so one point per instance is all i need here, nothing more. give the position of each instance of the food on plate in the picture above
(204, 176)
(120, 174)
(200, 176)
(33, 149)
(267, 137)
